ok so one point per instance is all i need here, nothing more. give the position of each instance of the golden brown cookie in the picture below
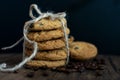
(48, 45)
(48, 55)
(47, 24)
(48, 64)
(47, 35)
(82, 50)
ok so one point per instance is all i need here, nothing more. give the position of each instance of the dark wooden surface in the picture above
(111, 72)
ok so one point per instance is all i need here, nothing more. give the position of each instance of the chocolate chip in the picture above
(76, 47)
(30, 74)
(41, 24)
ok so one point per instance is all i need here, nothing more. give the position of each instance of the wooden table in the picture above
(112, 71)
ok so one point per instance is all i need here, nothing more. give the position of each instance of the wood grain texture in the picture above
(111, 72)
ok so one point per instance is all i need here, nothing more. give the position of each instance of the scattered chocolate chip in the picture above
(30, 74)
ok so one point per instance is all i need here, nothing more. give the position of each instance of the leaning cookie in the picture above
(48, 45)
(82, 50)
(47, 24)
(48, 64)
(47, 35)
(59, 54)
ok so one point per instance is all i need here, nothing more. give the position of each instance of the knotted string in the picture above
(3, 66)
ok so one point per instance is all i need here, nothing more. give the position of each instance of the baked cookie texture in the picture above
(47, 35)
(52, 55)
(48, 64)
(47, 24)
(82, 50)
(48, 45)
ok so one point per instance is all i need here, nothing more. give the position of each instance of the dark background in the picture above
(95, 21)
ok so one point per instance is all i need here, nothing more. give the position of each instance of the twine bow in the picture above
(3, 66)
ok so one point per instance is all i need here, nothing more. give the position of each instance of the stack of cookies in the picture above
(49, 35)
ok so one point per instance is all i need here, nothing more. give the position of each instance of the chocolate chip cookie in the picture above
(82, 50)
(59, 54)
(47, 24)
(48, 45)
(47, 35)
(48, 64)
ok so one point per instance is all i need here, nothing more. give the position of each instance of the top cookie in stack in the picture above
(49, 35)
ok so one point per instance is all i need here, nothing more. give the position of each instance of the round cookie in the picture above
(48, 45)
(47, 24)
(48, 64)
(47, 35)
(82, 50)
(48, 55)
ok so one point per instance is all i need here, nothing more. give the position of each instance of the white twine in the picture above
(3, 66)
